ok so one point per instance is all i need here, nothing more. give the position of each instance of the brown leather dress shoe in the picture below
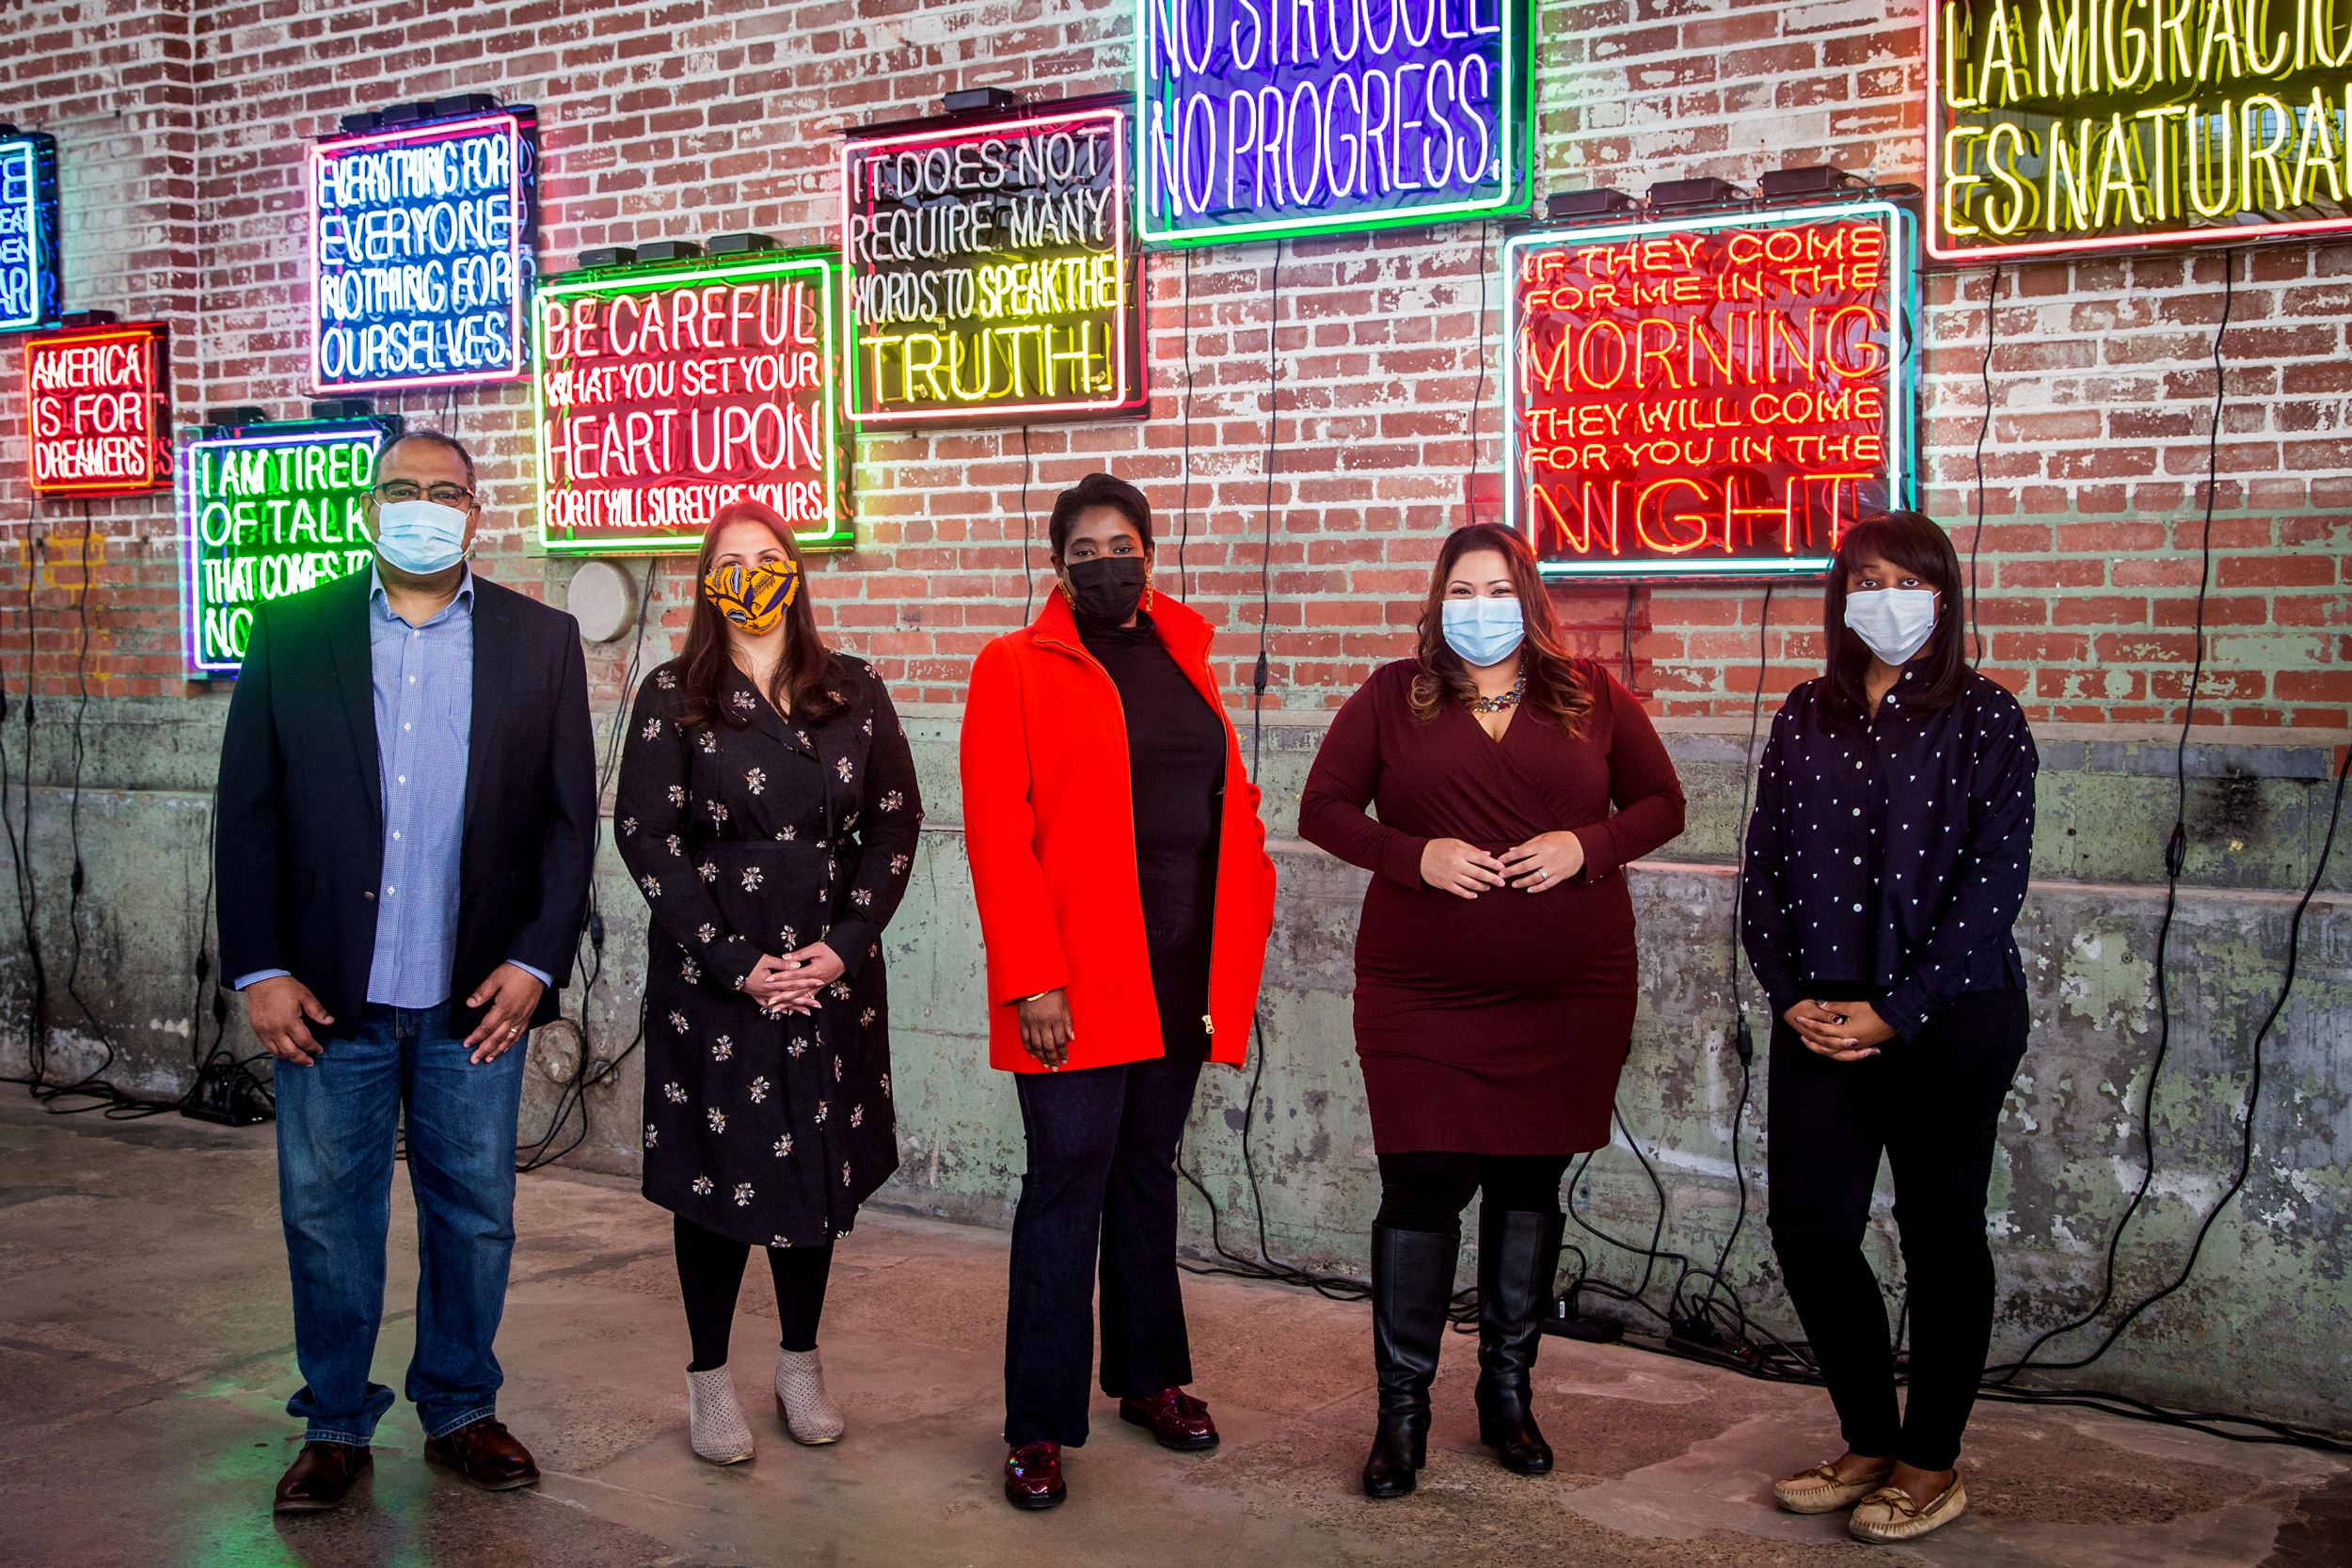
(486, 1453)
(1033, 1476)
(320, 1476)
(1175, 1418)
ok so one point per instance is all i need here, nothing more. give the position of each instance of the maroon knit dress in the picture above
(1495, 1024)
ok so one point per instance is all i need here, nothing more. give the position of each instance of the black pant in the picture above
(710, 1274)
(1931, 1105)
(1101, 1165)
(1427, 1191)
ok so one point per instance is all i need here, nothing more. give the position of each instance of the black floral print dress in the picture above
(761, 835)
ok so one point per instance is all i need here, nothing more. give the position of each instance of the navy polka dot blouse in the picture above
(1890, 855)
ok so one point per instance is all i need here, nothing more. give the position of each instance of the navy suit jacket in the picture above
(299, 850)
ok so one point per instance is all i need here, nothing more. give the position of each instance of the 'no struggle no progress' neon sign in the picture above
(1264, 118)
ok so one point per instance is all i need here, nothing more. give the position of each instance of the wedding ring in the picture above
(1541, 872)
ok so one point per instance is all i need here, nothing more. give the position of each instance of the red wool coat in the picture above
(1049, 825)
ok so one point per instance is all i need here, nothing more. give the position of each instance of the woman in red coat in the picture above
(1125, 896)
(1494, 965)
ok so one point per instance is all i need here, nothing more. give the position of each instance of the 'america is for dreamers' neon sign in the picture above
(1265, 117)
(989, 271)
(2083, 125)
(1716, 397)
(28, 229)
(666, 394)
(422, 253)
(266, 513)
(99, 405)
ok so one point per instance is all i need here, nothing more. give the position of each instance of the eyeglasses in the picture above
(409, 490)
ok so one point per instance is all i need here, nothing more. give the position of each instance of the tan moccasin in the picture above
(1889, 1514)
(1819, 1491)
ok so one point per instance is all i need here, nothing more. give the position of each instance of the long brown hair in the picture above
(1918, 545)
(1552, 683)
(809, 679)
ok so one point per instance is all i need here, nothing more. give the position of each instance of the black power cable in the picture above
(1984, 428)
(1183, 505)
(1028, 572)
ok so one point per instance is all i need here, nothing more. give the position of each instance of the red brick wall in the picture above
(181, 136)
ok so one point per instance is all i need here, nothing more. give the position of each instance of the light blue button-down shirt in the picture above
(423, 681)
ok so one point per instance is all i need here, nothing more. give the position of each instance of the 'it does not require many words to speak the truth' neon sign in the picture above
(422, 253)
(267, 512)
(1713, 398)
(989, 271)
(1262, 117)
(2085, 125)
(99, 408)
(28, 229)
(667, 392)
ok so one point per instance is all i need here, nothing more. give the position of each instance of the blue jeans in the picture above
(336, 1124)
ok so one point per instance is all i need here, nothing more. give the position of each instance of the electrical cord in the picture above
(1028, 572)
(1984, 428)
(1478, 398)
(1184, 506)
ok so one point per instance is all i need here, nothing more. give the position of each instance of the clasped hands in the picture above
(789, 984)
(1842, 1031)
(1465, 871)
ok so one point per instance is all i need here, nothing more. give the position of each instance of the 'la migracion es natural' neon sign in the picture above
(422, 253)
(99, 408)
(2077, 125)
(1706, 398)
(990, 274)
(1257, 118)
(666, 392)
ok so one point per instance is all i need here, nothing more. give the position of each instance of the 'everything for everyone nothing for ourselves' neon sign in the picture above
(665, 393)
(1710, 398)
(267, 512)
(1264, 118)
(2086, 126)
(422, 253)
(98, 405)
(28, 229)
(989, 271)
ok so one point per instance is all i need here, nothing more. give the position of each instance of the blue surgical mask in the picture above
(420, 536)
(1894, 623)
(1484, 630)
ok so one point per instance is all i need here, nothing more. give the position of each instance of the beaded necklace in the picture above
(1502, 703)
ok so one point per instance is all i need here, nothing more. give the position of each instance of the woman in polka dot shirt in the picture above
(1886, 861)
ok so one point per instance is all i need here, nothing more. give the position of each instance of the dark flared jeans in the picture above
(1931, 1107)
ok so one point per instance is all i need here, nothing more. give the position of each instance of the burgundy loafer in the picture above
(486, 1453)
(320, 1476)
(1175, 1418)
(1033, 1476)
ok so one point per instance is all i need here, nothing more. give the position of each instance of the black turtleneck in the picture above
(1176, 768)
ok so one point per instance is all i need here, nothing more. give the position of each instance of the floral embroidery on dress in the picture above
(743, 700)
(822, 1107)
(862, 896)
(677, 1095)
(797, 1049)
(891, 800)
(869, 725)
(651, 884)
(752, 877)
(885, 1085)
(678, 795)
(717, 1119)
(790, 833)
(702, 1186)
(677, 1022)
(708, 871)
(857, 1115)
(841, 766)
(845, 1173)
(677, 844)
(759, 1092)
(755, 781)
(783, 1146)
(803, 735)
(723, 1049)
(666, 679)
(652, 1135)
(898, 864)
(742, 1195)
(836, 1070)
(709, 739)
(628, 827)
(652, 729)
(791, 939)
(706, 931)
(718, 811)
(840, 990)
(779, 1241)
(691, 972)
(866, 1019)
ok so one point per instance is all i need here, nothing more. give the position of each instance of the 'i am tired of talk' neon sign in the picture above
(990, 274)
(665, 393)
(2061, 126)
(422, 253)
(1708, 398)
(267, 512)
(1258, 118)
(98, 407)
(28, 229)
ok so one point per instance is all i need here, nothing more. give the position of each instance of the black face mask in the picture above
(1107, 590)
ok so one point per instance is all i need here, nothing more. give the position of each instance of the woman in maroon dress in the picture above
(1494, 966)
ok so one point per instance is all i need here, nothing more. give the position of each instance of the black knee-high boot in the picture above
(1412, 1282)
(1518, 1254)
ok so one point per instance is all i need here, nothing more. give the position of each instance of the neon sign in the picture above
(1265, 117)
(2084, 125)
(270, 511)
(1712, 397)
(989, 271)
(422, 253)
(28, 229)
(99, 410)
(664, 393)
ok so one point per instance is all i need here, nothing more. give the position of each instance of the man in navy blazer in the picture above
(407, 822)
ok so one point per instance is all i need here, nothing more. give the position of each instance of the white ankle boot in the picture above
(715, 1423)
(809, 1414)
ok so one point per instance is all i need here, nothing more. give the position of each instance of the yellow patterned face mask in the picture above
(754, 598)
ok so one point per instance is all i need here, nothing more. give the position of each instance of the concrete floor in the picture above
(146, 1354)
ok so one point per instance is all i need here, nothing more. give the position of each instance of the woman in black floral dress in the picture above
(767, 808)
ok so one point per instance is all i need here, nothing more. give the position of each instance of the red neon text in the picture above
(96, 416)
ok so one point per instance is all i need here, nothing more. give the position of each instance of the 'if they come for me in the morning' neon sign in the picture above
(1258, 118)
(2079, 125)
(989, 271)
(1712, 397)
(422, 253)
(667, 391)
